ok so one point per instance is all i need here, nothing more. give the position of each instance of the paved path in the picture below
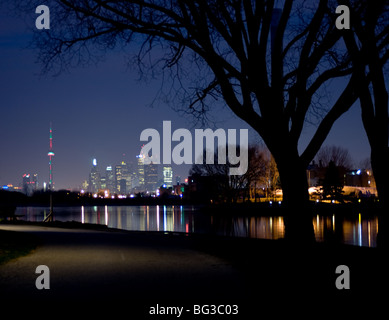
(126, 273)
(97, 265)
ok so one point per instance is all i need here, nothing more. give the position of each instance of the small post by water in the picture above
(50, 217)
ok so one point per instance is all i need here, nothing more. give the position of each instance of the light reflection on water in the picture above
(358, 230)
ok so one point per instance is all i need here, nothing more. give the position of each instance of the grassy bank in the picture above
(15, 244)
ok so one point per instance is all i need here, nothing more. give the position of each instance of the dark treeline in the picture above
(9, 200)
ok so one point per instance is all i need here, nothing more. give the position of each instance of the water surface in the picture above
(357, 230)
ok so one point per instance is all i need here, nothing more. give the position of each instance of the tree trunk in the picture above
(379, 163)
(298, 215)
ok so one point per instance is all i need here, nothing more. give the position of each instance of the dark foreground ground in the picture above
(110, 272)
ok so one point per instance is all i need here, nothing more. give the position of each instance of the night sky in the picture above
(97, 111)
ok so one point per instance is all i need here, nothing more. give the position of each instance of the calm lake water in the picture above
(358, 230)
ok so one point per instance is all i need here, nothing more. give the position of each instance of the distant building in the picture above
(29, 184)
(129, 176)
(151, 176)
(358, 182)
(34, 182)
(168, 176)
(103, 183)
(94, 178)
(141, 171)
(179, 190)
(120, 174)
(11, 187)
(359, 178)
(123, 186)
(110, 179)
(84, 186)
(27, 187)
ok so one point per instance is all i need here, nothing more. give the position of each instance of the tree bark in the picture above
(380, 162)
(298, 214)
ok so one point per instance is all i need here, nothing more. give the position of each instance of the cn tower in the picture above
(51, 154)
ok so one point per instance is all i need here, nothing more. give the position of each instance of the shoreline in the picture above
(238, 209)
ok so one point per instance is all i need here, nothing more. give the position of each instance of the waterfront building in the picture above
(110, 179)
(94, 178)
(141, 171)
(168, 176)
(151, 176)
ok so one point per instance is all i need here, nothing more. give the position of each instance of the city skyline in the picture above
(140, 178)
(128, 178)
(99, 111)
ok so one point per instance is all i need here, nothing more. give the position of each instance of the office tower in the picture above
(94, 178)
(168, 176)
(141, 170)
(121, 178)
(34, 181)
(27, 186)
(151, 176)
(110, 179)
(123, 186)
(129, 175)
(103, 183)
(84, 186)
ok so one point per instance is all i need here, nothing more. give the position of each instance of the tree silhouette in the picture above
(338, 155)
(269, 65)
(228, 188)
(368, 45)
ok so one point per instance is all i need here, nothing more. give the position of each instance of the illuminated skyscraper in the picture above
(27, 184)
(151, 176)
(30, 183)
(121, 178)
(141, 170)
(94, 178)
(110, 179)
(168, 176)
(34, 181)
(129, 176)
(51, 154)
